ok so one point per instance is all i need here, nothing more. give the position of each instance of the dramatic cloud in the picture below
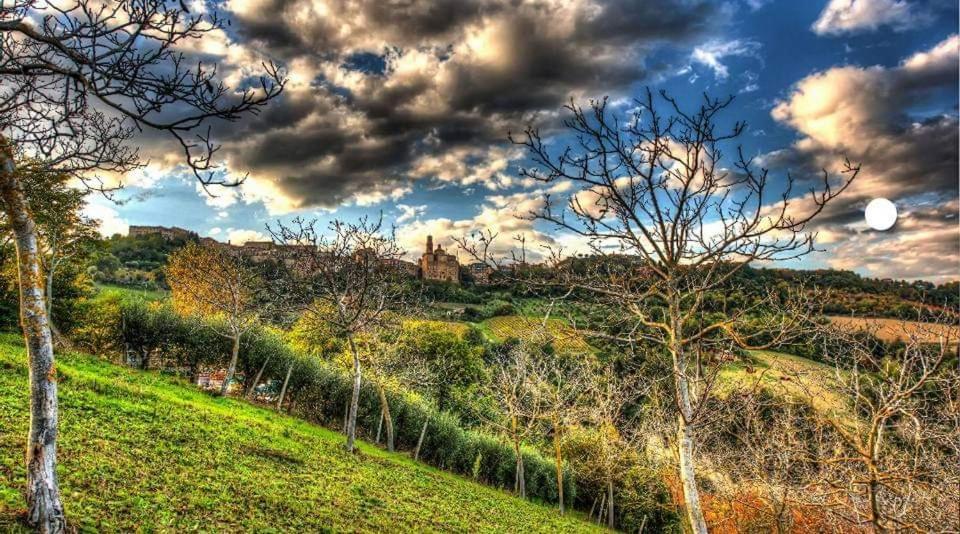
(505, 215)
(383, 93)
(882, 118)
(850, 16)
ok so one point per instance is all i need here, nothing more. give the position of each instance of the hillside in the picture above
(140, 451)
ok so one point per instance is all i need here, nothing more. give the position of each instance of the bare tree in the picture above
(216, 282)
(893, 452)
(563, 385)
(77, 80)
(514, 387)
(345, 278)
(668, 221)
(390, 366)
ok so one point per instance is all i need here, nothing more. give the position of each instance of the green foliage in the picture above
(323, 393)
(135, 260)
(144, 452)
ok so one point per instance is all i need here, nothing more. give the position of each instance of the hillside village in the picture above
(434, 264)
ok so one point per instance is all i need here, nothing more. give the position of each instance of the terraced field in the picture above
(559, 332)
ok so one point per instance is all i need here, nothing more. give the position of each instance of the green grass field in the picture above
(143, 452)
(127, 292)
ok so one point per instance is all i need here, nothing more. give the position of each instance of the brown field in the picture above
(894, 329)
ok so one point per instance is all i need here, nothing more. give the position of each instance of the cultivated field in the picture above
(564, 338)
(894, 329)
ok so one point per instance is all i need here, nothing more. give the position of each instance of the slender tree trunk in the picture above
(610, 503)
(44, 508)
(688, 480)
(385, 413)
(520, 483)
(558, 461)
(379, 427)
(355, 397)
(691, 495)
(603, 505)
(232, 367)
(423, 433)
(256, 379)
(283, 389)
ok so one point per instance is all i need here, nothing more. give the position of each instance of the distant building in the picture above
(480, 272)
(164, 232)
(436, 264)
(403, 266)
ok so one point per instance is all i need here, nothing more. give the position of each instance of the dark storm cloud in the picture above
(455, 76)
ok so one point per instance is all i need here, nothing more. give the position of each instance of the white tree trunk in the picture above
(44, 508)
(354, 398)
(232, 367)
(610, 504)
(691, 495)
(423, 433)
(256, 379)
(386, 417)
(283, 389)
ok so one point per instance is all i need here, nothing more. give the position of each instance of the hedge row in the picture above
(319, 392)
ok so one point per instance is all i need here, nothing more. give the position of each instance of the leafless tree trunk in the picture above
(610, 504)
(423, 434)
(379, 427)
(558, 463)
(283, 390)
(256, 379)
(385, 416)
(232, 367)
(354, 397)
(45, 511)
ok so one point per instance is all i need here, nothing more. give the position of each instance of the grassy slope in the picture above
(126, 292)
(565, 338)
(140, 451)
(796, 377)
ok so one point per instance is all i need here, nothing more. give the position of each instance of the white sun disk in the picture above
(881, 214)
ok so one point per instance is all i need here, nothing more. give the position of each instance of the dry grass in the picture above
(894, 329)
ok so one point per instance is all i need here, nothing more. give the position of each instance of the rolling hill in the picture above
(145, 452)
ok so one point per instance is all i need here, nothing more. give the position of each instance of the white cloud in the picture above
(239, 236)
(851, 16)
(863, 113)
(713, 53)
(108, 218)
(410, 212)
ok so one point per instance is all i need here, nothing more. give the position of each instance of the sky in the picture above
(403, 108)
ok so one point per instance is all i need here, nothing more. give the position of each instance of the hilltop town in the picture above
(434, 263)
